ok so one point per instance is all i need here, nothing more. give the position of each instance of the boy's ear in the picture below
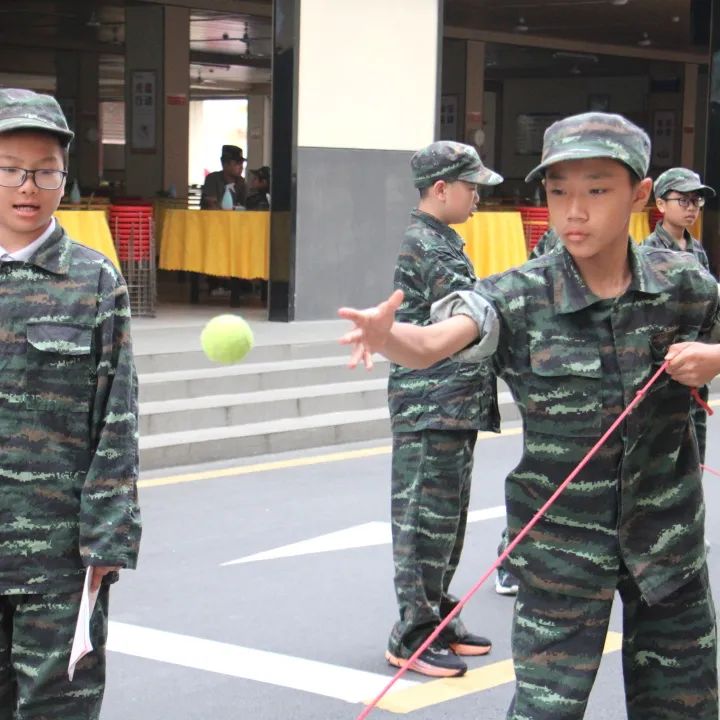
(438, 189)
(642, 194)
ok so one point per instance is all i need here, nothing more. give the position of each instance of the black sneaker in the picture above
(470, 644)
(437, 661)
(505, 583)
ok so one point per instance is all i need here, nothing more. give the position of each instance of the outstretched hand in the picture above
(693, 363)
(371, 331)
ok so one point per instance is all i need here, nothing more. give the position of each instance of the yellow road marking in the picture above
(474, 681)
(295, 462)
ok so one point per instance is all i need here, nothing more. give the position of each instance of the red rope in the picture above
(638, 397)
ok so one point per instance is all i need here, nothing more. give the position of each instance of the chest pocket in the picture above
(59, 373)
(564, 389)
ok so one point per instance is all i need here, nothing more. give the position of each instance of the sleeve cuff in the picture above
(476, 307)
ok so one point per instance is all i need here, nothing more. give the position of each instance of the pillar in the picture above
(355, 93)
(157, 86)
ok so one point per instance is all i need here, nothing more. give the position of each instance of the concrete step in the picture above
(194, 359)
(235, 441)
(220, 410)
(231, 439)
(251, 377)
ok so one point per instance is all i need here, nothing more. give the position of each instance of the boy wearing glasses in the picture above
(679, 196)
(68, 426)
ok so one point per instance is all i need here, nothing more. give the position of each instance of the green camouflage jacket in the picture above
(661, 238)
(573, 362)
(449, 395)
(68, 419)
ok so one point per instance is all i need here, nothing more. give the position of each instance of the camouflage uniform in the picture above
(683, 180)
(435, 415)
(633, 520)
(68, 427)
(549, 242)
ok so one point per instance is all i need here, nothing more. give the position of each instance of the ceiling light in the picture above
(618, 2)
(521, 25)
(645, 41)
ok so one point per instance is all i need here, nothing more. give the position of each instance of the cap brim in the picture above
(35, 124)
(691, 186)
(576, 154)
(481, 177)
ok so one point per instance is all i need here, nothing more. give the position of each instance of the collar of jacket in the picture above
(572, 294)
(54, 254)
(669, 241)
(439, 227)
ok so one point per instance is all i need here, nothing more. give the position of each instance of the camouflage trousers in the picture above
(669, 653)
(36, 633)
(431, 476)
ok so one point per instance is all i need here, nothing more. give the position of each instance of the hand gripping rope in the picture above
(638, 397)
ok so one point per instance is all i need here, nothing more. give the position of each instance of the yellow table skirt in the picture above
(494, 241)
(90, 228)
(639, 226)
(216, 242)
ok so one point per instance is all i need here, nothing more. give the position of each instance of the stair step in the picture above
(194, 358)
(222, 443)
(250, 377)
(239, 408)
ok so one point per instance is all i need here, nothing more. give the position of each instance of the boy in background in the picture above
(679, 196)
(435, 416)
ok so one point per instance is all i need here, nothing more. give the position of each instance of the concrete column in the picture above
(152, 167)
(258, 144)
(77, 92)
(364, 77)
(711, 214)
(690, 88)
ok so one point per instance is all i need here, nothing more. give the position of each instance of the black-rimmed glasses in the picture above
(686, 202)
(13, 177)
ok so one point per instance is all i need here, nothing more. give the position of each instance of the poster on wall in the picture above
(663, 140)
(143, 109)
(529, 131)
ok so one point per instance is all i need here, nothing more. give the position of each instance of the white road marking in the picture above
(358, 536)
(335, 681)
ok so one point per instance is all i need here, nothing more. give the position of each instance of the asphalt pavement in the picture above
(264, 591)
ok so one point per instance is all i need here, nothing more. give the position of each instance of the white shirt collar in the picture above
(27, 252)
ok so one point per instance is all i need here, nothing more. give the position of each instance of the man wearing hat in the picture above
(576, 334)
(68, 427)
(435, 416)
(230, 178)
(679, 196)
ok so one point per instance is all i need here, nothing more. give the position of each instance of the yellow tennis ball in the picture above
(226, 339)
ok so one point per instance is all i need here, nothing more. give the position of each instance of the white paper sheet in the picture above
(81, 642)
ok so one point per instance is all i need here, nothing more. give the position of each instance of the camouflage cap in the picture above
(27, 110)
(681, 180)
(594, 135)
(447, 160)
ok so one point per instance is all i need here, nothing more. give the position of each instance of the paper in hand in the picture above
(81, 642)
